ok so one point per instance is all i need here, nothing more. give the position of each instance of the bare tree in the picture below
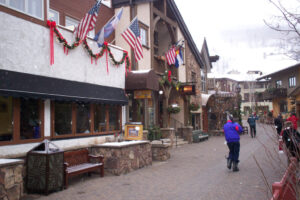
(287, 23)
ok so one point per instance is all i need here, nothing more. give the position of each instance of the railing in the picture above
(286, 188)
(176, 124)
(271, 93)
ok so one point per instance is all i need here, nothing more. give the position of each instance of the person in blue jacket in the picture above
(252, 123)
(232, 130)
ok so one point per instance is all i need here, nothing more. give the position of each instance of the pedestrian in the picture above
(278, 121)
(291, 139)
(252, 123)
(231, 131)
(294, 120)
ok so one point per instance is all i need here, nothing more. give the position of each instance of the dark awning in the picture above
(33, 86)
(142, 80)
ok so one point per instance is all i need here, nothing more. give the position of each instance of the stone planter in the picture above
(124, 157)
(186, 133)
(11, 179)
(168, 133)
(160, 152)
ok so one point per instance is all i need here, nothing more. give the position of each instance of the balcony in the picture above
(272, 93)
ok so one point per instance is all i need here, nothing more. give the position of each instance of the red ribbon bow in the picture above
(52, 25)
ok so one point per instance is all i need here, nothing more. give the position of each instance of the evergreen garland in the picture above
(105, 47)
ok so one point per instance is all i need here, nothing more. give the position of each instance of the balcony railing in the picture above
(272, 93)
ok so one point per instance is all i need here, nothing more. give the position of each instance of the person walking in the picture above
(231, 132)
(278, 121)
(252, 123)
(291, 139)
(294, 120)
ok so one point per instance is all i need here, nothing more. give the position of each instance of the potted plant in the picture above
(194, 106)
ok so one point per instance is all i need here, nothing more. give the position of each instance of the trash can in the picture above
(133, 131)
(45, 168)
(196, 134)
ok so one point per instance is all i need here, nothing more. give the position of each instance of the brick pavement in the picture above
(194, 172)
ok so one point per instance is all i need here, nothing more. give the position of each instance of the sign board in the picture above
(142, 94)
(133, 132)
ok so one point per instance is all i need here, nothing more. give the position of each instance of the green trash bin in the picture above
(196, 136)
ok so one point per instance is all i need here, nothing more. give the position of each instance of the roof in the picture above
(236, 77)
(142, 80)
(205, 98)
(179, 19)
(280, 71)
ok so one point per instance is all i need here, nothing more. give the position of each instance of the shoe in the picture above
(235, 166)
(229, 163)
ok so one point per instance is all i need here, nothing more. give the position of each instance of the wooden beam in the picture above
(164, 17)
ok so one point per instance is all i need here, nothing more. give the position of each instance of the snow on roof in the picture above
(234, 76)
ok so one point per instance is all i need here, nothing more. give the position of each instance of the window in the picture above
(80, 119)
(72, 23)
(99, 118)
(63, 118)
(21, 120)
(114, 120)
(283, 106)
(6, 119)
(278, 84)
(30, 119)
(292, 81)
(33, 8)
(144, 34)
(246, 97)
(53, 15)
(83, 118)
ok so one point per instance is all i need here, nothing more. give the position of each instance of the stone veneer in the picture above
(186, 133)
(160, 152)
(168, 133)
(121, 158)
(11, 179)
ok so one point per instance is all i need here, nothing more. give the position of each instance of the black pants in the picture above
(234, 151)
(279, 130)
(253, 131)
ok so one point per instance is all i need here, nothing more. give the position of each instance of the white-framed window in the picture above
(278, 84)
(292, 81)
(53, 15)
(72, 23)
(34, 8)
(143, 36)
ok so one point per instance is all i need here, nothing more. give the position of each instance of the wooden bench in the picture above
(80, 161)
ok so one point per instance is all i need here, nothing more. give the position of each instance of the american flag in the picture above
(171, 55)
(88, 22)
(133, 38)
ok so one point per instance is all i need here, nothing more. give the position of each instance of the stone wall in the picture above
(124, 159)
(186, 133)
(160, 152)
(11, 179)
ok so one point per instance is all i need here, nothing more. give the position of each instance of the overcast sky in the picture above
(235, 30)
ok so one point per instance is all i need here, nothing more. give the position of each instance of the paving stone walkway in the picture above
(194, 172)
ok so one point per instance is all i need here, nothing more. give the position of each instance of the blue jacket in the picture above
(231, 131)
(252, 120)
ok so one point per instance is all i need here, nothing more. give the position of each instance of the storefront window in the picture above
(99, 118)
(83, 118)
(6, 119)
(63, 118)
(114, 121)
(29, 119)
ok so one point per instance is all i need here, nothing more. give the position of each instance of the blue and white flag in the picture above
(108, 28)
(178, 58)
